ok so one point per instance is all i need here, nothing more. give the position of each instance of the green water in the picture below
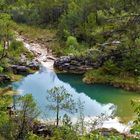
(105, 94)
(98, 98)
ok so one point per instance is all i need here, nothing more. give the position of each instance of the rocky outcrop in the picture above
(24, 68)
(42, 55)
(82, 64)
(72, 64)
(75, 65)
(4, 79)
(33, 65)
(16, 69)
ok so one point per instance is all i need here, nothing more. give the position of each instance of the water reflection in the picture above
(105, 94)
(37, 84)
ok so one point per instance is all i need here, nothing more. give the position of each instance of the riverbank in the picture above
(40, 52)
(96, 99)
(36, 53)
(95, 74)
(127, 82)
(41, 42)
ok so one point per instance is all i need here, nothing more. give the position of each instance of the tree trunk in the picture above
(57, 115)
(3, 52)
(23, 127)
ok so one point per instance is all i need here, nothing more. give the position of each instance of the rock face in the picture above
(33, 65)
(24, 68)
(16, 69)
(75, 65)
(81, 65)
(4, 79)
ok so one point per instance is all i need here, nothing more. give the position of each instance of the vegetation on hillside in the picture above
(11, 50)
(93, 29)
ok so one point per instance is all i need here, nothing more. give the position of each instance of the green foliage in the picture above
(99, 76)
(136, 128)
(84, 23)
(72, 42)
(93, 53)
(5, 122)
(60, 100)
(27, 112)
(97, 135)
(10, 125)
(15, 48)
(137, 41)
(85, 28)
(1, 69)
(17, 125)
(110, 68)
(64, 133)
(5, 33)
(5, 27)
(31, 136)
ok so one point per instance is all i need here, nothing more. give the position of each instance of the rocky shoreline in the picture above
(42, 54)
(70, 64)
(124, 85)
(75, 65)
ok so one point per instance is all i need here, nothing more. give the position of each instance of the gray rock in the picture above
(33, 65)
(73, 64)
(19, 69)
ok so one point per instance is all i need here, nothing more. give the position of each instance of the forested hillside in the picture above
(97, 38)
(105, 32)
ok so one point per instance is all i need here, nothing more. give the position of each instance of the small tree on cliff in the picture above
(60, 100)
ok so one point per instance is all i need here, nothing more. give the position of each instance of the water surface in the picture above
(97, 98)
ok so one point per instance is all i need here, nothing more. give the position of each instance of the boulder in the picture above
(73, 64)
(19, 69)
(33, 65)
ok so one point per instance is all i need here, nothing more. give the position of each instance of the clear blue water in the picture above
(97, 98)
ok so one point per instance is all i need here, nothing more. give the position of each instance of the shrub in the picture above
(1, 69)
(72, 42)
(111, 68)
